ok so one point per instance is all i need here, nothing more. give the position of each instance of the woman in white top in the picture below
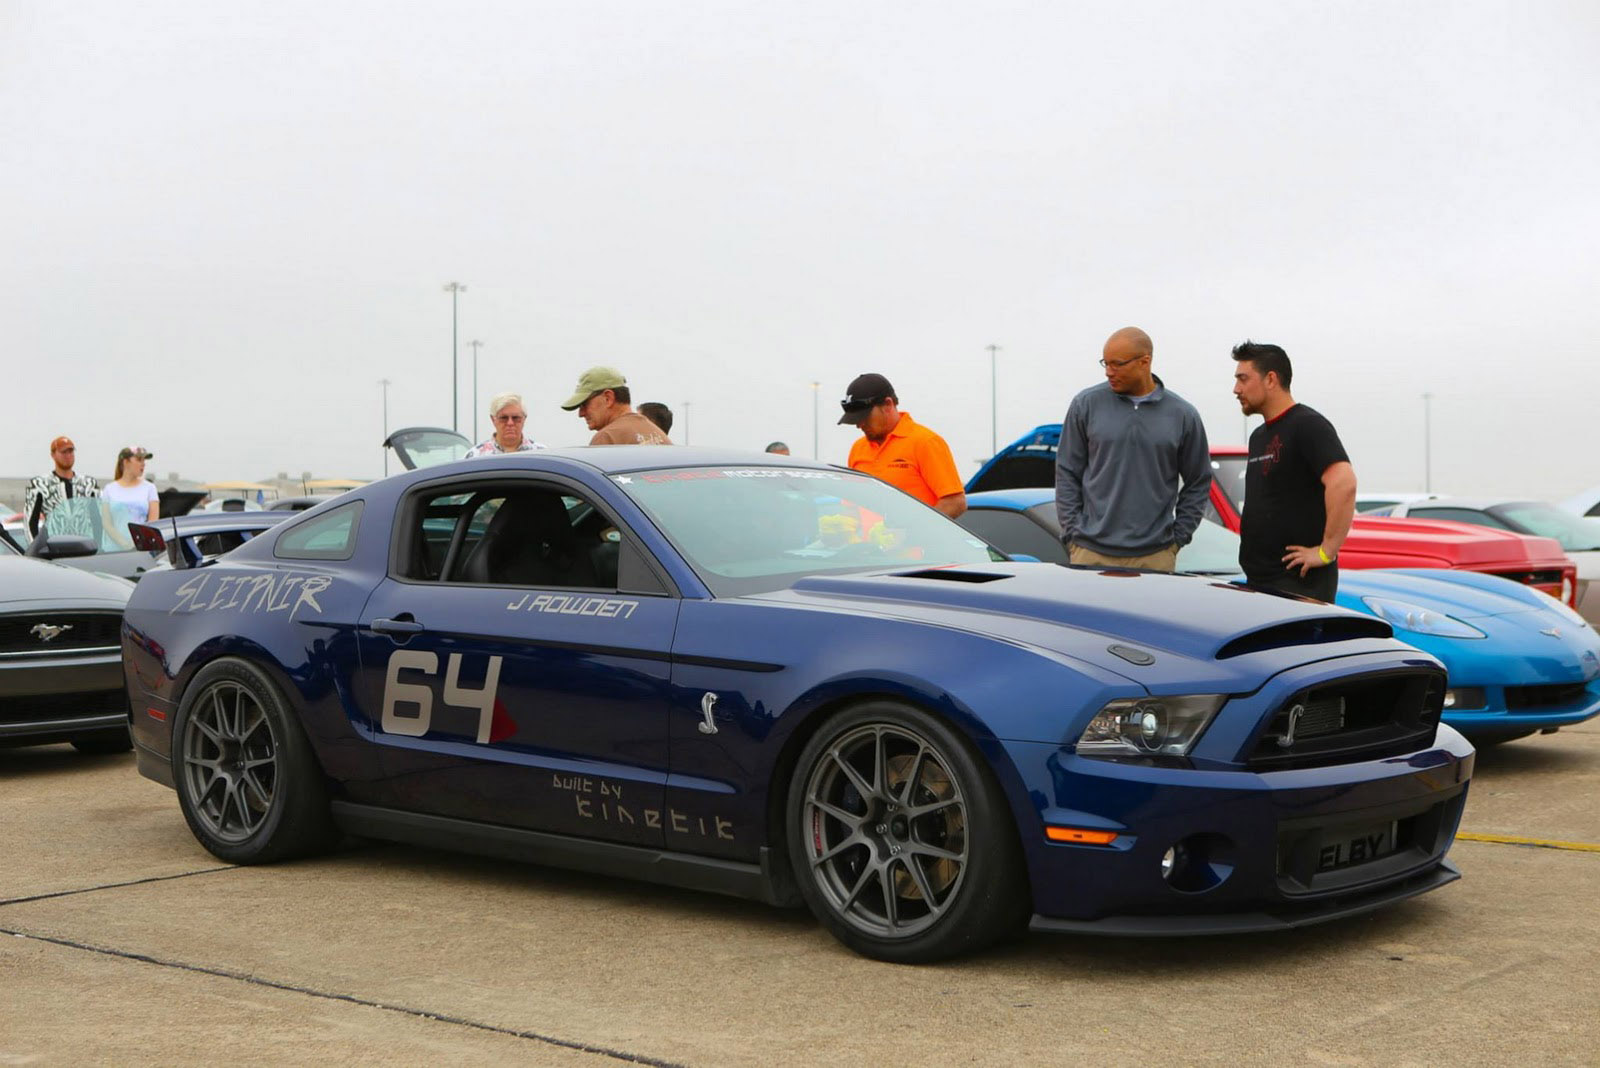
(133, 497)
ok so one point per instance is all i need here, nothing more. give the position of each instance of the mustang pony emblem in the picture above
(46, 632)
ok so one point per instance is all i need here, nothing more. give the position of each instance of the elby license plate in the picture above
(1348, 848)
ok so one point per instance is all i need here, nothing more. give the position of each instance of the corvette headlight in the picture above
(1561, 609)
(1403, 615)
(1148, 726)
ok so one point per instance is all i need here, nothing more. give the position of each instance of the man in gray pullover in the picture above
(1125, 446)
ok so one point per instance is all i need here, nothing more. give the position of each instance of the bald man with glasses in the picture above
(1127, 445)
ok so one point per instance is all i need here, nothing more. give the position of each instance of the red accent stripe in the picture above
(156, 713)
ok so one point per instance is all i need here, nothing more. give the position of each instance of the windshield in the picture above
(755, 529)
(98, 518)
(1228, 473)
(1214, 549)
(1575, 532)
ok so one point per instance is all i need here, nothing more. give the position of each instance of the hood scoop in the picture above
(1306, 632)
(950, 574)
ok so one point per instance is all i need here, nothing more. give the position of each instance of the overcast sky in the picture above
(223, 224)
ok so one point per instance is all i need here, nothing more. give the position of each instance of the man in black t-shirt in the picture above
(1299, 487)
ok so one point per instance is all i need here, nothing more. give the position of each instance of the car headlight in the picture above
(1403, 615)
(1561, 609)
(1148, 726)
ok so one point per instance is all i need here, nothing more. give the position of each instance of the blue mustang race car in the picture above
(1519, 660)
(791, 682)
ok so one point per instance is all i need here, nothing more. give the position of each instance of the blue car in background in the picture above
(1519, 661)
(767, 677)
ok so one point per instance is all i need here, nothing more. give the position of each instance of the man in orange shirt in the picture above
(901, 452)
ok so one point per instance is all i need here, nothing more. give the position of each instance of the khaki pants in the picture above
(1164, 560)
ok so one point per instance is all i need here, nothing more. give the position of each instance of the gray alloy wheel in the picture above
(249, 784)
(885, 830)
(899, 838)
(230, 761)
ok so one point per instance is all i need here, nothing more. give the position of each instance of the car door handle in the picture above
(397, 626)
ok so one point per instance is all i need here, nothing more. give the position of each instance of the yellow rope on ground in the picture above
(1512, 839)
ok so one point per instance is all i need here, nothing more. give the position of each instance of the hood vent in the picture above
(1306, 632)
(947, 574)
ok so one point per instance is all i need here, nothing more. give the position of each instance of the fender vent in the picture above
(1306, 632)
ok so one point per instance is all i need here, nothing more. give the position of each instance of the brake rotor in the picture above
(940, 829)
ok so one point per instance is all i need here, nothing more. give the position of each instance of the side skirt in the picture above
(754, 881)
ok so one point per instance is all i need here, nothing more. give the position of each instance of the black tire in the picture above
(104, 744)
(249, 785)
(900, 839)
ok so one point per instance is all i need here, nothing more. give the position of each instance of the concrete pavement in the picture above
(129, 943)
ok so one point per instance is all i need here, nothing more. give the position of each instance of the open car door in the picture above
(426, 446)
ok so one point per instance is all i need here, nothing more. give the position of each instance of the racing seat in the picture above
(529, 542)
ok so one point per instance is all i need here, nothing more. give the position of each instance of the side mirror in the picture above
(63, 546)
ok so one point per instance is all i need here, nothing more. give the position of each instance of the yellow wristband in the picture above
(1324, 554)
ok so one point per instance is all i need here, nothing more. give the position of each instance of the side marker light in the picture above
(1080, 835)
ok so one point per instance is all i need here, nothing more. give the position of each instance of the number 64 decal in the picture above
(397, 693)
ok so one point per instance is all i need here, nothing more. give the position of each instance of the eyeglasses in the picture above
(510, 418)
(852, 405)
(1117, 365)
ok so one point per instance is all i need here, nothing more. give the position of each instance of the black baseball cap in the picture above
(865, 392)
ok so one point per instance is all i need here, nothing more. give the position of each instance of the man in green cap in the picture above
(603, 399)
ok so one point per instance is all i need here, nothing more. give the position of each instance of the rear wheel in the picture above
(901, 840)
(249, 785)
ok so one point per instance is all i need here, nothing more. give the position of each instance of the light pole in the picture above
(475, 345)
(384, 382)
(816, 388)
(686, 422)
(994, 408)
(1427, 443)
(455, 289)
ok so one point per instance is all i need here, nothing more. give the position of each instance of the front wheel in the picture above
(249, 785)
(900, 839)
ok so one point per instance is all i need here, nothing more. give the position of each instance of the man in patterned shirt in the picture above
(509, 419)
(47, 493)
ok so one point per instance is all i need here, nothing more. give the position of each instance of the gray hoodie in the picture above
(1118, 468)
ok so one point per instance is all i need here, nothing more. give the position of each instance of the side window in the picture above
(330, 536)
(511, 536)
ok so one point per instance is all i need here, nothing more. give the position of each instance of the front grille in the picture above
(1518, 697)
(83, 630)
(1367, 717)
(62, 706)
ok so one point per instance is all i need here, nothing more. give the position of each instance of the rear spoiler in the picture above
(179, 537)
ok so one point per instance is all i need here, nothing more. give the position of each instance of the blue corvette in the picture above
(776, 679)
(1519, 660)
